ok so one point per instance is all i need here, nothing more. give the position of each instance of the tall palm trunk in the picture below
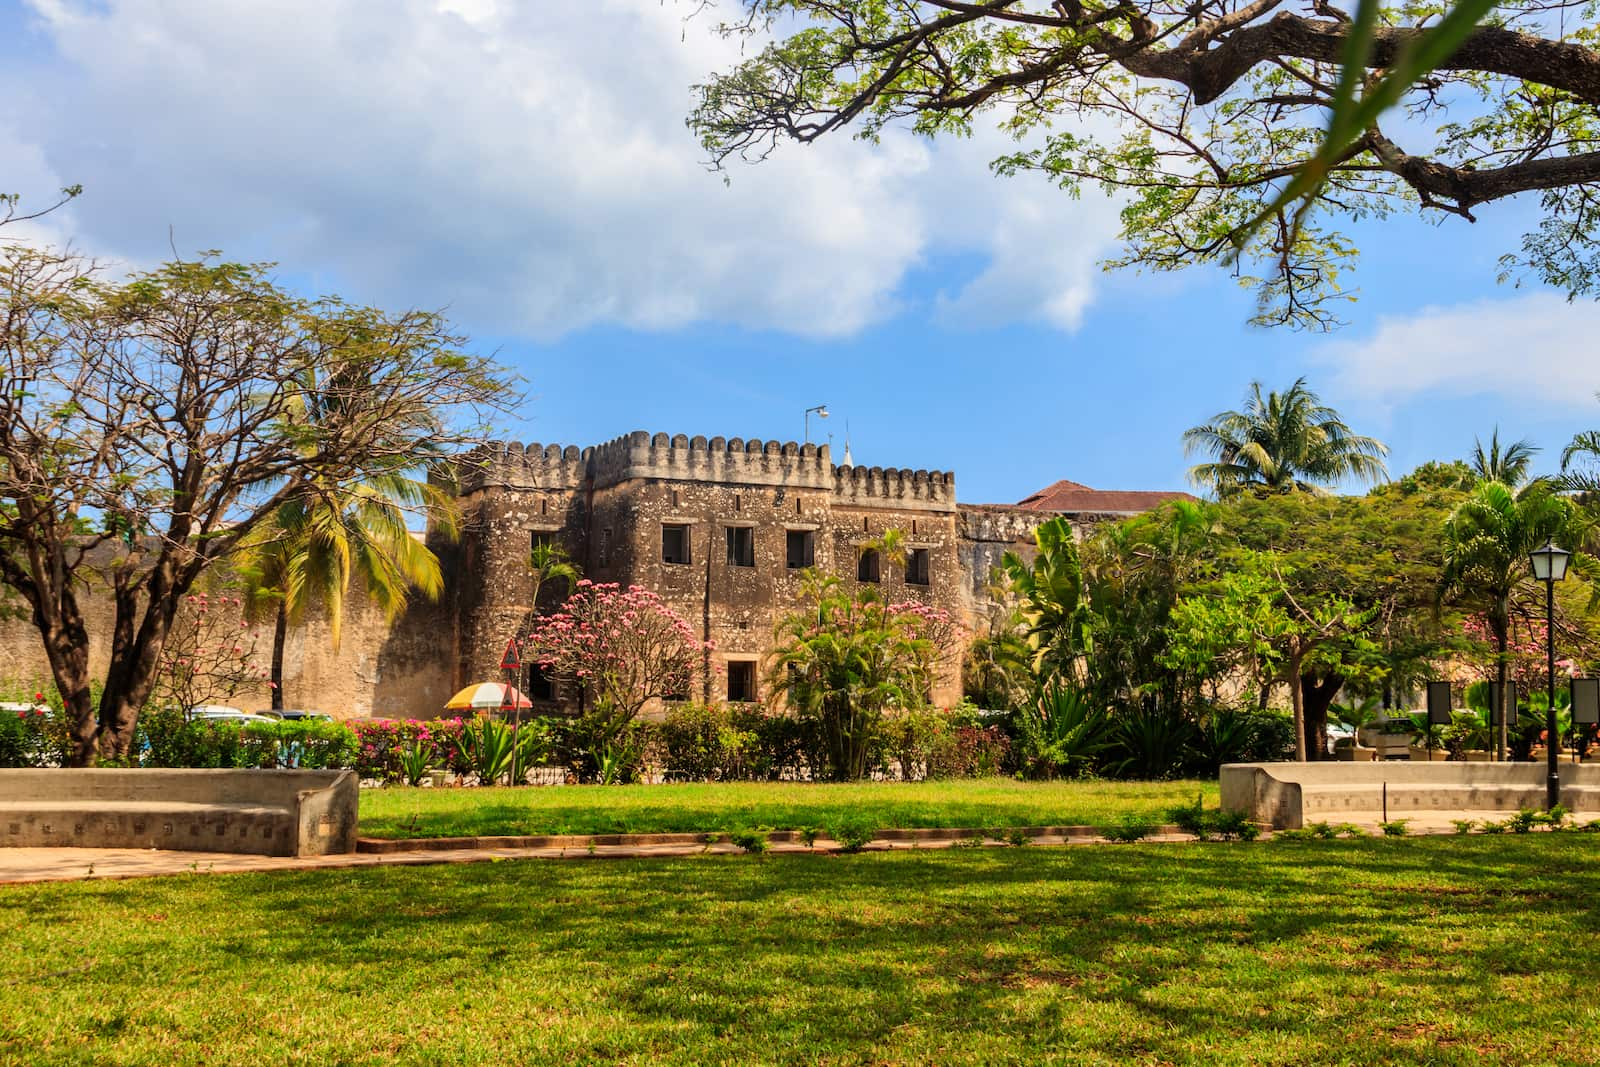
(280, 636)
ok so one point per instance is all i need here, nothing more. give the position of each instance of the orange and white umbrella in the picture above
(487, 696)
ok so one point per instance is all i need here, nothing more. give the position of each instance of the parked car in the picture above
(224, 713)
(297, 715)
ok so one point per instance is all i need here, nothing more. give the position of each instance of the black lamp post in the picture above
(1550, 567)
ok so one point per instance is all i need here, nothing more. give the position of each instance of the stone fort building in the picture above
(720, 528)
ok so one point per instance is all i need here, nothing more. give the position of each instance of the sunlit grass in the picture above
(1439, 950)
(696, 807)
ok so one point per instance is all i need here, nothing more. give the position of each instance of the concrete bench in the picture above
(1288, 795)
(268, 813)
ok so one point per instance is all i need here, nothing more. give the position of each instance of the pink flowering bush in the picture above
(622, 647)
(210, 654)
(381, 745)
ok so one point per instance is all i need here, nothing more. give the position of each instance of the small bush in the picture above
(1191, 818)
(1590, 827)
(1523, 821)
(975, 841)
(1395, 827)
(1233, 826)
(1326, 831)
(1129, 829)
(809, 835)
(853, 834)
(1464, 826)
(1016, 837)
(1555, 818)
(1491, 827)
(1349, 829)
(1303, 834)
(751, 841)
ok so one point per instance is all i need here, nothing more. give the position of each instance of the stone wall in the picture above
(606, 505)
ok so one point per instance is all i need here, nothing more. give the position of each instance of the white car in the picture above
(224, 713)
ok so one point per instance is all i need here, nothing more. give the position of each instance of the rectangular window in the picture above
(741, 546)
(741, 681)
(802, 549)
(542, 539)
(674, 543)
(867, 566)
(540, 685)
(916, 566)
(605, 547)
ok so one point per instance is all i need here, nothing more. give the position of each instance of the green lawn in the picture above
(691, 808)
(1430, 951)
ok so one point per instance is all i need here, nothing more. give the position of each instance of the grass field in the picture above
(1428, 951)
(691, 808)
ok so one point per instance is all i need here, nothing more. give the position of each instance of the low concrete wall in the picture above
(1287, 795)
(271, 813)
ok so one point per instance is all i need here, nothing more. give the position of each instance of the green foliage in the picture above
(848, 658)
(1150, 742)
(1062, 732)
(1395, 827)
(1464, 826)
(1129, 828)
(1191, 819)
(751, 841)
(1203, 825)
(853, 833)
(1523, 821)
(493, 749)
(415, 760)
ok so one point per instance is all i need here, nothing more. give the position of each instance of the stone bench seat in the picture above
(272, 813)
(1287, 795)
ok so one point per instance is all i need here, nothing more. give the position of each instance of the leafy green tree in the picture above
(1380, 553)
(1281, 442)
(846, 659)
(1252, 618)
(1486, 544)
(548, 562)
(1197, 117)
(152, 424)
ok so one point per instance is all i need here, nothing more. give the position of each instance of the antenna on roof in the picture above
(848, 462)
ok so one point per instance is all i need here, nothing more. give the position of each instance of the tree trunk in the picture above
(1500, 625)
(280, 634)
(1315, 698)
(1293, 674)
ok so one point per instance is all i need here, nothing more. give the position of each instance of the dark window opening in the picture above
(741, 681)
(802, 549)
(867, 566)
(540, 685)
(741, 546)
(917, 566)
(542, 539)
(605, 547)
(674, 543)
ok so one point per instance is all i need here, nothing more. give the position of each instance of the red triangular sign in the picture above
(511, 661)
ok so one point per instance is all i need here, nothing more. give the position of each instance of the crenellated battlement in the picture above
(716, 460)
(513, 465)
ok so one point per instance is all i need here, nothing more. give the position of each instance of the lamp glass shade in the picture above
(1549, 562)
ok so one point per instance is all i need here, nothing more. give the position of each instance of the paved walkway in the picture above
(19, 865)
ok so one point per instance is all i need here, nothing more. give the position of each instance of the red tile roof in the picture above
(1074, 498)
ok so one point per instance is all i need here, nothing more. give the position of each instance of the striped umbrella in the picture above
(486, 696)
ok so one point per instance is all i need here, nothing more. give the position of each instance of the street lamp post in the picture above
(822, 413)
(1550, 567)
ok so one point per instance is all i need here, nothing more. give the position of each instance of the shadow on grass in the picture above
(1133, 951)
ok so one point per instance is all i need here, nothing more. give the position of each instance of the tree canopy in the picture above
(1196, 114)
(152, 423)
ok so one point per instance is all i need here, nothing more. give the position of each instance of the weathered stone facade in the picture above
(719, 528)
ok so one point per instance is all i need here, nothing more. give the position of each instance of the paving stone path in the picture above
(20, 865)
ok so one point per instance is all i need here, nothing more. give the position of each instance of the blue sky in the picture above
(533, 175)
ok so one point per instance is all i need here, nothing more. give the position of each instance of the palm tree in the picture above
(317, 542)
(549, 562)
(1486, 544)
(1052, 601)
(1508, 465)
(1586, 479)
(1281, 442)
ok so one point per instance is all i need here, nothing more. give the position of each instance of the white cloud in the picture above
(1537, 348)
(526, 164)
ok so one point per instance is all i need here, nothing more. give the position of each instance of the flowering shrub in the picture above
(210, 654)
(623, 647)
(381, 746)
